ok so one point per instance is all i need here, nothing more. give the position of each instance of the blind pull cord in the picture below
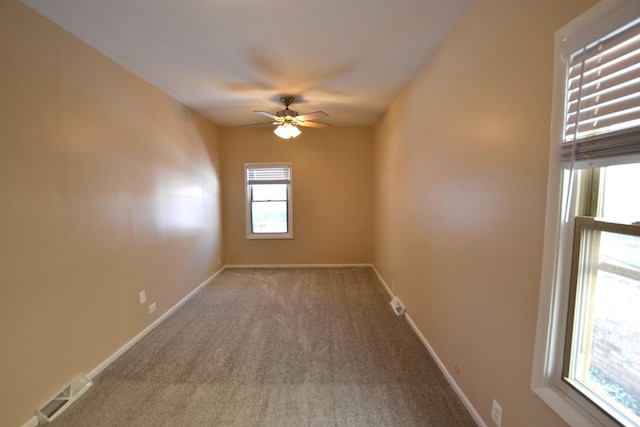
(569, 198)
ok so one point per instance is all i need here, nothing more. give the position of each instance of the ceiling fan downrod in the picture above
(287, 100)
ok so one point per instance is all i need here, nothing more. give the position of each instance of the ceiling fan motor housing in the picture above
(287, 112)
(287, 100)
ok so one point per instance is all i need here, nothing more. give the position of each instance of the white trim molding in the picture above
(232, 266)
(33, 421)
(465, 401)
(151, 327)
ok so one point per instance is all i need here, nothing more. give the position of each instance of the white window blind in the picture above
(269, 175)
(602, 109)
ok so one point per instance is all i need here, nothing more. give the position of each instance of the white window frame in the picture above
(247, 186)
(546, 381)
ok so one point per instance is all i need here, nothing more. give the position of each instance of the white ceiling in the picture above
(226, 58)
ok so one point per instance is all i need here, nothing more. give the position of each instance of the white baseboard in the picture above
(382, 281)
(465, 401)
(474, 414)
(295, 265)
(134, 340)
(33, 422)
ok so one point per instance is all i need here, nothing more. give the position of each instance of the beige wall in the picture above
(332, 191)
(107, 187)
(460, 190)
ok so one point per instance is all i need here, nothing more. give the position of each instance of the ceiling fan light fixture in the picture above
(294, 131)
(286, 131)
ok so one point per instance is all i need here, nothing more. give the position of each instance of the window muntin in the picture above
(602, 352)
(268, 207)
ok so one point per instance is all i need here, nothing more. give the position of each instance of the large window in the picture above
(602, 344)
(268, 201)
(587, 361)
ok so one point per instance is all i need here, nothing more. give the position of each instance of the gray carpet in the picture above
(276, 347)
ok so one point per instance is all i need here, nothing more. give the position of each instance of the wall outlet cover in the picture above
(397, 306)
(496, 413)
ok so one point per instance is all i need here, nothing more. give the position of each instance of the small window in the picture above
(268, 201)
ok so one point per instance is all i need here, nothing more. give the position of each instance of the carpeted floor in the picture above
(276, 347)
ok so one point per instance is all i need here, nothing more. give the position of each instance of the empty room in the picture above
(351, 213)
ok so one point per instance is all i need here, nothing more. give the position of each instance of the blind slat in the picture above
(268, 175)
(590, 112)
(605, 95)
(625, 70)
(605, 51)
(610, 124)
(602, 110)
(615, 144)
(604, 115)
(615, 20)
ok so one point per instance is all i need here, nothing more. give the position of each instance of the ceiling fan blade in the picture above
(314, 124)
(312, 116)
(258, 124)
(264, 113)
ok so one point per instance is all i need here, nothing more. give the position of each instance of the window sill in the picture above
(565, 407)
(270, 236)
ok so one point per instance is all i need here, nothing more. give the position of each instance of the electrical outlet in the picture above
(496, 413)
(143, 297)
(219, 261)
(152, 308)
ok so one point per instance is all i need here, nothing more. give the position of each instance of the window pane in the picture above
(267, 192)
(269, 217)
(606, 352)
(621, 201)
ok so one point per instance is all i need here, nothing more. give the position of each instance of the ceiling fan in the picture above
(287, 121)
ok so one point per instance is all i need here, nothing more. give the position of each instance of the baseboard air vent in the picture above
(66, 397)
(397, 306)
